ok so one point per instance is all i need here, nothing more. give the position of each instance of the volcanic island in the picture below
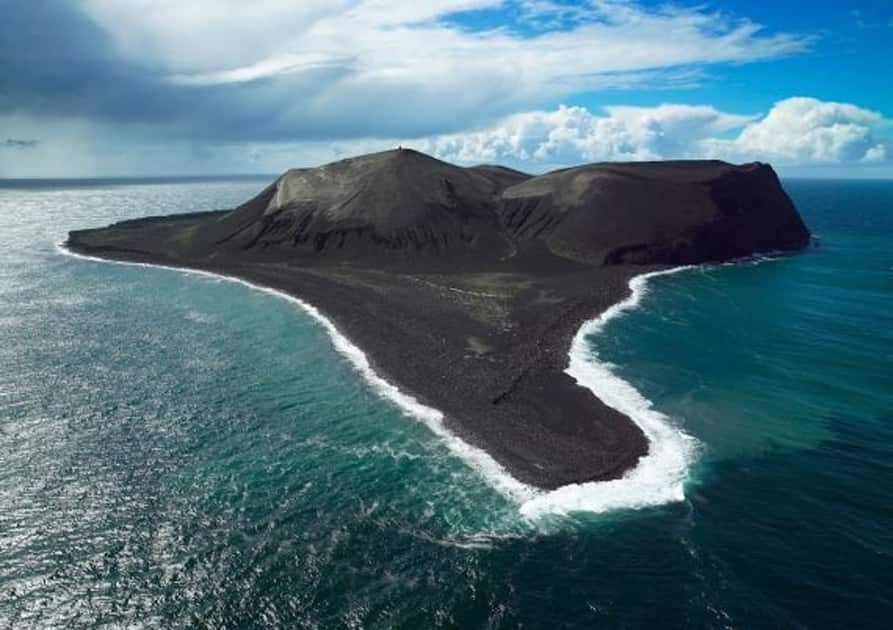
(465, 286)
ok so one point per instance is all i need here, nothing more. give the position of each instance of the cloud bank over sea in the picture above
(156, 87)
(796, 130)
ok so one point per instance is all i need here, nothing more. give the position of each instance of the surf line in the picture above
(479, 460)
(657, 478)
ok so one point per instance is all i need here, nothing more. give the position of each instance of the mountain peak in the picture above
(395, 205)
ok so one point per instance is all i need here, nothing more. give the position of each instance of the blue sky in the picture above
(161, 87)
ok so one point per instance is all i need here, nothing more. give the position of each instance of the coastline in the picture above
(469, 290)
(656, 478)
(659, 476)
(494, 473)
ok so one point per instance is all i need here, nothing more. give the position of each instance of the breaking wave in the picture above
(658, 478)
(478, 459)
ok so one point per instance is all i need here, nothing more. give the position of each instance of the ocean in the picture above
(178, 450)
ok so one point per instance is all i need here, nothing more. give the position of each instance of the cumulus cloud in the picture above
(807, 130)
(795, 131)
(571, 134)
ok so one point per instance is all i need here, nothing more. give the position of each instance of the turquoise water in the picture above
(179, 451)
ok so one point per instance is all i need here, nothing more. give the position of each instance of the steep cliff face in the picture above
(398, 206)
(655, 213)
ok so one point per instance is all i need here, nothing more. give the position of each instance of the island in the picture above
(465, 286)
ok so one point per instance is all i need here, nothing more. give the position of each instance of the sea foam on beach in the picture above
(658, 478)
(477, 458)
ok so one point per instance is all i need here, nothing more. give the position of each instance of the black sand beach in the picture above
(465, 286)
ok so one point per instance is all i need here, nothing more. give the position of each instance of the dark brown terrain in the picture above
(465, 285)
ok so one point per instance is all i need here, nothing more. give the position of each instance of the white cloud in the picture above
(804, 130)
(571, 134)
(795, 131)
(378, 68)
(271, 67)
(190, 35)
(609, 36)
(877, 153)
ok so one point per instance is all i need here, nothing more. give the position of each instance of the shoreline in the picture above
(659, 476)
(656, 478)
(467, 286)
(491, 470)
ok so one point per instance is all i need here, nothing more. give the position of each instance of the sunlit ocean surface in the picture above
(179, 451)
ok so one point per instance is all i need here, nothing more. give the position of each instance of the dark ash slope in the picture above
(465, 285)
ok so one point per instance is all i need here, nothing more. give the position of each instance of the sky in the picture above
(101, 88)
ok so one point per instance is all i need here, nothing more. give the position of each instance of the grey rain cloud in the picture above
(54, 61)
(57, 62)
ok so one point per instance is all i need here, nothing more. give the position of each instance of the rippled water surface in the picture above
(178, 451)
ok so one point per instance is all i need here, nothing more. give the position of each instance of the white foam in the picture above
(478, 459)
(660, 476)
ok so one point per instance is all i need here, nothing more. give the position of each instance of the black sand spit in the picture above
(465, 285)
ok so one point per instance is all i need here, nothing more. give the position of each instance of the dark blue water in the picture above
(182, 452)
(784, 372)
